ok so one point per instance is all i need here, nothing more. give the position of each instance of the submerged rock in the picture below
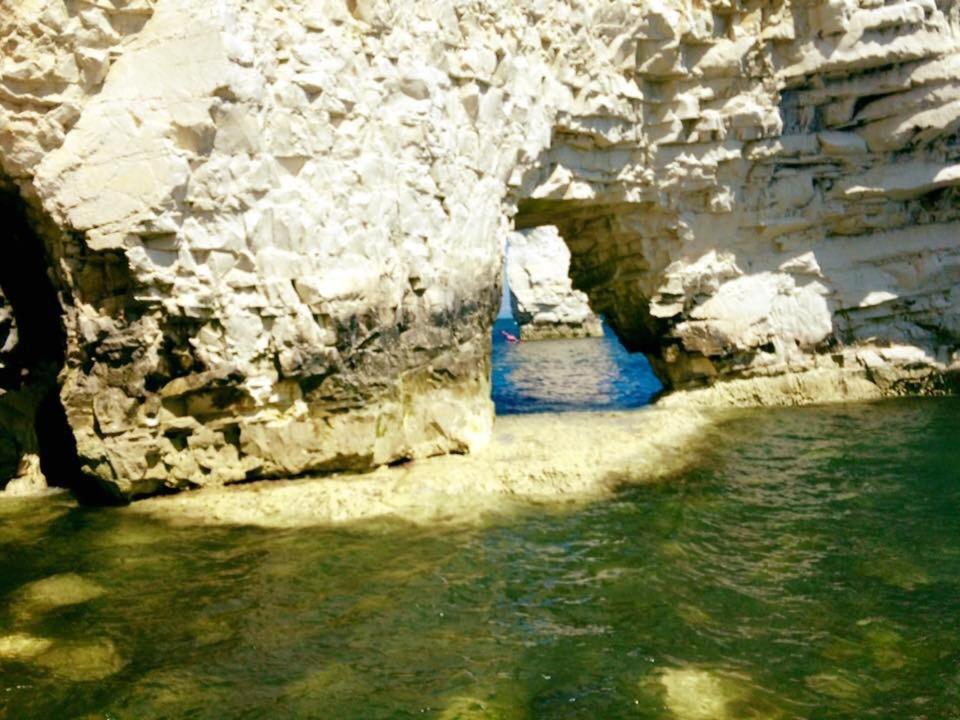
(470, 708)
(70, 660)
(82, 661)
(54, 592)
(22, 647)
(31, 516)
(897, 571)
(693, 694)
(837, 685)
(878, 643)
(499, 700)
(887, 646)
(697, 694)
(332, 686)
(693, 615)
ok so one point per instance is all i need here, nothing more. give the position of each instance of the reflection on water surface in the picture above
(807, 567)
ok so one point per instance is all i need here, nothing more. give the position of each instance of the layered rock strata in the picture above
(774, 193)
(275, 227)
(542, 298)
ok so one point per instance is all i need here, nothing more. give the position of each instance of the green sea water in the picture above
(806, 565)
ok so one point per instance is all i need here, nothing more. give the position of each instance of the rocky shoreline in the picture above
(549, 459)
(544, 460)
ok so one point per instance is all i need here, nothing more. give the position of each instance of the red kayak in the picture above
(512, 339)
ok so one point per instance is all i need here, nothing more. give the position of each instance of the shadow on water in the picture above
(565, 375)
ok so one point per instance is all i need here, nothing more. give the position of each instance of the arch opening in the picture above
(551, 352)
(610, 246)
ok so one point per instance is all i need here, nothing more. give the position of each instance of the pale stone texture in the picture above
(276, 225)
(542, 298)
(533, 460)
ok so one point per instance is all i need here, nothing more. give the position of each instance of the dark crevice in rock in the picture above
(30, 371)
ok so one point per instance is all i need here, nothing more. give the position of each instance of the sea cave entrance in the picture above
(33, 423)
(567, 358)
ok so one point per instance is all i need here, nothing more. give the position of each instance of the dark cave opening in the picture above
(33, 365)
(27, 287)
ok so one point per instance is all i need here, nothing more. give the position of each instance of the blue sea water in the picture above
(559, 375)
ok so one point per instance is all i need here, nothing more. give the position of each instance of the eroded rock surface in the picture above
(544, 302)
(275, 227)
(774, 193)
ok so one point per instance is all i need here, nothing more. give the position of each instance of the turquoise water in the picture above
(564, 375)
(806, 566)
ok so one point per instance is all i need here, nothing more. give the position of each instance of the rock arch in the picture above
(768, 199)
(281, 222)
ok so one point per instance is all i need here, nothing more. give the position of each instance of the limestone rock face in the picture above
(542, 298)
(274, 227)
(769, 191)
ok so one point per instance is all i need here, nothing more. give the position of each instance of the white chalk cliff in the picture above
(544, 303)
(272, 229)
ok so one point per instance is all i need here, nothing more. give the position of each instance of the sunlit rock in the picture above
(542, 298)
(569, 457)
(54, 592)
(274, 230)
(29, 480)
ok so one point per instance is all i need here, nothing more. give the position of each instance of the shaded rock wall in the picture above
(275, 226)
(542, 298)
